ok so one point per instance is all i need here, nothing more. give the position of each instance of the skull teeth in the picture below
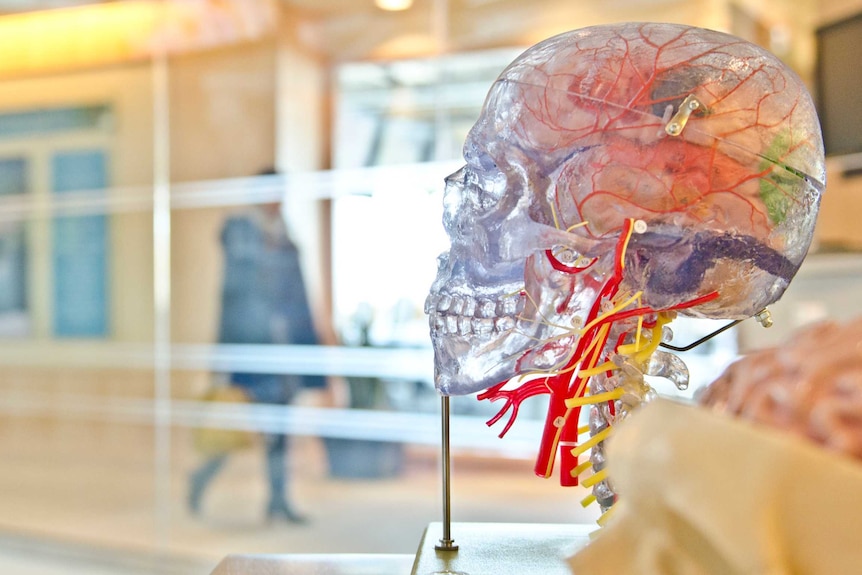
(444, 302)
(482, 326)
(507, 307)
(487, 308)
(466, 315)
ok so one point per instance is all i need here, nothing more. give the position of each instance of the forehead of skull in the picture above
(646, 82)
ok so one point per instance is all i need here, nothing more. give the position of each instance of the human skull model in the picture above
(618, 175)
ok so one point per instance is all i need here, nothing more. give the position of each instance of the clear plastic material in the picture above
(618, 175)
(710, 141)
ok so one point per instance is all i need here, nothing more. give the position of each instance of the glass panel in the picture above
(108, 417)
(14, 176)
(80, 250)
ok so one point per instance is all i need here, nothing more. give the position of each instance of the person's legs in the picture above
(202, 477)
(274, 389)
(276, 462)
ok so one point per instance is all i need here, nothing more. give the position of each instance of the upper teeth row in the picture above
(457, 314)
(465, 305)
(465, 325)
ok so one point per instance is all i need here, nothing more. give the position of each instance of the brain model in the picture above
(811, 387)
(617, 175)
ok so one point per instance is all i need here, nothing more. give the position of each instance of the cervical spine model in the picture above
(617, 176)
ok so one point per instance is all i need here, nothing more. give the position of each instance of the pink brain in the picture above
(811, 387)
(602, 99)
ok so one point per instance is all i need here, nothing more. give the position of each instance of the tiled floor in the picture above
(81, 498)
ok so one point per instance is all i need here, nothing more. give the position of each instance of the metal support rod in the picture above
(446, 543)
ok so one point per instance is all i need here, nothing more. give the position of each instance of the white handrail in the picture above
(468, 433)
(396, 363)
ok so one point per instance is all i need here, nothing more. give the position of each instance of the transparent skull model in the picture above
(618, 175)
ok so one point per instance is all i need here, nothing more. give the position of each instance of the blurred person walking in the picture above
(263, 301)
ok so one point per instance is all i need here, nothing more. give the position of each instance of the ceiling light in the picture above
(393, 5)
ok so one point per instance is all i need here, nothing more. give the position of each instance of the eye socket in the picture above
(486, 162)
(478, 157)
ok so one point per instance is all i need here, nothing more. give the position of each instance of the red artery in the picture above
(561, 422)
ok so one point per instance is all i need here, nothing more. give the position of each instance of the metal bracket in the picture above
(763, 317)
(677, 123)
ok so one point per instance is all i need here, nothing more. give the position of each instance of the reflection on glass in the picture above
(263, 302)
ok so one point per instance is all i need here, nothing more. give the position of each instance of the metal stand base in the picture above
(446, 545)
(501, 549)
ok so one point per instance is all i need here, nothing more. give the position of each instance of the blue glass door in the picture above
(80, 249)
